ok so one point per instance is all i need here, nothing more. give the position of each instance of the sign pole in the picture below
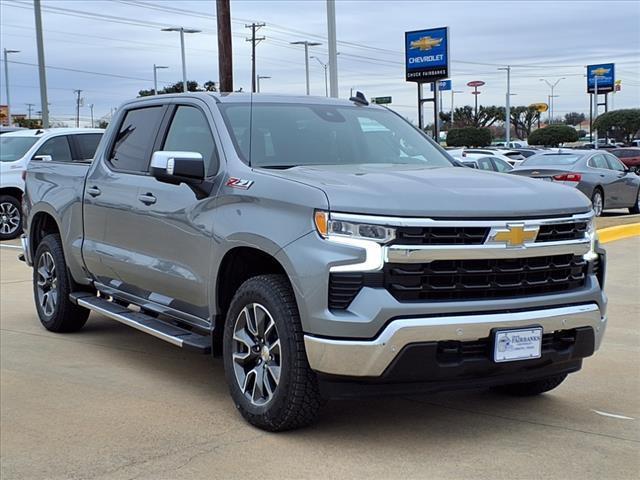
(436, 111)
(420, 103)
(590, 117)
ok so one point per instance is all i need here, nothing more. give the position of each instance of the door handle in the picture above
(94, 191)
(147, 199)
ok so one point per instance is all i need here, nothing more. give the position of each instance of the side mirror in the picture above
(177, 167)
(43, 158)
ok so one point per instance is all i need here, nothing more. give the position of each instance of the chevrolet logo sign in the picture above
(514, 235)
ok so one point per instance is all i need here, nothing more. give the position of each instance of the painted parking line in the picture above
(612, 415)
(16, 247)
(611, 234)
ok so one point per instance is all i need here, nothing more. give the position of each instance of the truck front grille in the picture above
(562, 231)
(441, 235)
(485, 279)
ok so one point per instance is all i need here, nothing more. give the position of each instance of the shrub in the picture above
(469, 137)
(620, 124)
(553, 135)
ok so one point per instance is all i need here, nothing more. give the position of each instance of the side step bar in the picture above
(163, 330)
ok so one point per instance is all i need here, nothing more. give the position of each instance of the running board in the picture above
(163, 330)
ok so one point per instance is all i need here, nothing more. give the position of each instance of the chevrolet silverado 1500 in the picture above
(321, 247)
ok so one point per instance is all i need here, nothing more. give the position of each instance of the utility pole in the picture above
(29, 108)
(306, 44)
(77, 92)
(254, 41)
(91, 108)
(507, 121)
(6, 81)
(258, 78)
(41, 71)
(225, 65)
(324, 66)
(333, 49)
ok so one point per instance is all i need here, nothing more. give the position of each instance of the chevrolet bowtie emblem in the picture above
(515, 235)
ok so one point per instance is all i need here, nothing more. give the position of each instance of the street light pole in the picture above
(258, 78)
(453, 92)
(42, 75)
(333, 49)
(507, 121)
(306, 44)
(324, 66)
(155, 77)
(91, 108)
(552, 86)
(182, 31)
(6, 81)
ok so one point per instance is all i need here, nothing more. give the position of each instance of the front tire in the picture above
(265, 362)
(531, 388)
(597, 201)
(52, 285)
(10, 217)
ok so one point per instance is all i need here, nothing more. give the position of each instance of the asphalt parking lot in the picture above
(110, 402)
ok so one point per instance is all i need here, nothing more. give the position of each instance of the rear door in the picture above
(609, 179)
(625, 184)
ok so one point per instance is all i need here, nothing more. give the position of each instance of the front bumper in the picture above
(372, 358)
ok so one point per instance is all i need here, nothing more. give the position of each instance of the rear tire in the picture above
(597, 201)
(531, 388)
(635, 209)
(10, 217)
(52, 285)
(265, 361)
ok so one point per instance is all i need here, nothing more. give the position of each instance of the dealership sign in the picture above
(443, 85)
(606, 77)
(427, 55)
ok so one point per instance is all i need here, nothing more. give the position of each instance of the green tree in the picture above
(523, 119)
(469, 137)
(553, 135)
(28, 123)
(574, 118)
(192, 86)
(103, 124)
(487, 116)
(619, 124)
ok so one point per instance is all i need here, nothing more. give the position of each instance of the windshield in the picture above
(559, 159)
(14, 148)
(288, 135)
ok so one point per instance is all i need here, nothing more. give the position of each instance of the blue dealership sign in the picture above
(606, 73)
(427, 55)
(443, 85)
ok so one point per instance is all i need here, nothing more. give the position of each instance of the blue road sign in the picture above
(606, 73)
(427, 55)
(443, 85)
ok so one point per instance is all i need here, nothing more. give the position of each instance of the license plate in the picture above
(547, 179)
(518, 344)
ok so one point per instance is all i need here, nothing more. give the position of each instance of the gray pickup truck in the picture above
(323, 248)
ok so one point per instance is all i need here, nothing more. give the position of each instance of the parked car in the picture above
(17, 148)
(491, 163)
(630, 156)
(4, 129)
(512, 156)
(602, 177)
(317, 256)
(528, 152)
(513, 145)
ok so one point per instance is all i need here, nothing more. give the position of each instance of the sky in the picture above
(118, 42)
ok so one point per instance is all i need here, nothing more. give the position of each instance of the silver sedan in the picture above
(596, 173)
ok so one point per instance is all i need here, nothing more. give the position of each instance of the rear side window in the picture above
(501, 165)
(485, 163)
(134, 142)
(86, 144)
(614, 163)
(57, 148)
(599, 161)
(190, 132)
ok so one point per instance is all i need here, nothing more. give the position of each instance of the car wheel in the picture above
(10, 217)
(597, 200)
(635, 209)
(265, 362)
(531, 388)
(51, 288)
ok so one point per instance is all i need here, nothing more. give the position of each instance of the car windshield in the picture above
(14, 148)
(284, 135)
(557, 159)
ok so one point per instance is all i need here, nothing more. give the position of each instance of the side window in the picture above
(614, 163)
(598, 161)
(485, 164)
(86, 145)
(134, 141)
(501, 165)
(57, 148)
(190, 132)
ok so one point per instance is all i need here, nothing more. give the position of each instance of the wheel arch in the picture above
(12, 192)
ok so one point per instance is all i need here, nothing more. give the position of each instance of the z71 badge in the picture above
(239, 183)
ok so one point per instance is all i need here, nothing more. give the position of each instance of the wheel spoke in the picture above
(258, 386)
(259, 315)
(250, 321)
(274, 372)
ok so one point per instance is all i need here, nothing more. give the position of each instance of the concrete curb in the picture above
(611, 234)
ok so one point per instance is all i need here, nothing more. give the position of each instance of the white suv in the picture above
(17, 148)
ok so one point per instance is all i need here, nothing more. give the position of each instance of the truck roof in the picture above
(47, 132)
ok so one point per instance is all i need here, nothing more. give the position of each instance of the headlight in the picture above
(592, 235)
(328, 227)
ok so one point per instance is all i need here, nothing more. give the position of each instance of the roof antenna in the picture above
(359, 98)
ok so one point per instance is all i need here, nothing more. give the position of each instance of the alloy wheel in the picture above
(256, 354)
(9, 218)
(47, 284)
(597, 203)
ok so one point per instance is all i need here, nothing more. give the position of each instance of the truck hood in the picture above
(411, 191)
